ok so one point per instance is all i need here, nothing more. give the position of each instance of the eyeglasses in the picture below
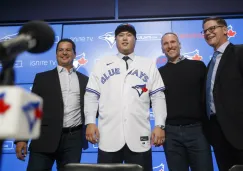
(210, 29)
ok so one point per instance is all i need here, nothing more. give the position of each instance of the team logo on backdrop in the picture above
(18, 63)
(33, 113)
(8, 37)
(148, 37)
(161, 167)
(140, 89)
(79, 61)
(109, 37)
(194, 55)
(57, 38)
(231, 32)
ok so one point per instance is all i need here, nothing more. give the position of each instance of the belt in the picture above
(71, 129)
(185, 125)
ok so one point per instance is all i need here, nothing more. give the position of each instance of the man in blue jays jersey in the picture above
(122, 87)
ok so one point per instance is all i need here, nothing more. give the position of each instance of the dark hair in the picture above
(125, 27)
(219, 21)
(67, 40)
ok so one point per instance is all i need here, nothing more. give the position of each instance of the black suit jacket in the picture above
(228, 94)
(47, 86)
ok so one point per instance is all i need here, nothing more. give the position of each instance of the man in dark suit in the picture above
(62, 127)
(224, 95)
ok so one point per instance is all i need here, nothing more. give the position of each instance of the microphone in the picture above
(34, 37)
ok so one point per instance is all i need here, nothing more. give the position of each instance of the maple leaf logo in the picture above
(80, 61)
(194, 55)
(231, 32)
(197, 57)
(3, 106)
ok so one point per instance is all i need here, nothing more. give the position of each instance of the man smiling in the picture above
(224, 94)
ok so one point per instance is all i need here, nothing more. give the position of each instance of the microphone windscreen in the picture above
(41, 32)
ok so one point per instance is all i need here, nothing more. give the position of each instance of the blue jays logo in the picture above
(8, 37)
(140, 89)
(109, 37)
(79, 61)
(194, 55)
(4, 107)
(33, 113)
(231, 32)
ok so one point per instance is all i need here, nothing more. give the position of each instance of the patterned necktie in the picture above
(208, 83)
(125, 58)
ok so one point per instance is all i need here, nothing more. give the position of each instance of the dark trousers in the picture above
(68, 151)
(226, 155)
(186, 146)
(125, 155)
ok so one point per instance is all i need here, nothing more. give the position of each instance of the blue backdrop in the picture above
(94, 41)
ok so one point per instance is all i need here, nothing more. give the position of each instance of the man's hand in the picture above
(21, 150)
(158, 136)
(92, 133)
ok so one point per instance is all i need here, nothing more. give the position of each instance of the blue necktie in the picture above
(208, 83)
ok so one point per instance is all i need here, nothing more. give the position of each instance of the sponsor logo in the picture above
(109, 37)
(82, 39)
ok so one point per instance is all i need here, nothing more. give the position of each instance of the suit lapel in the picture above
(81, 88)
(56, 86)
(80, 85)
(223, 60)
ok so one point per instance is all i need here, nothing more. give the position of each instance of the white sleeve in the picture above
(91, 97)
(157, 96)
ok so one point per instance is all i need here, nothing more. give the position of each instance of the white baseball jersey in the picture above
(124, 101)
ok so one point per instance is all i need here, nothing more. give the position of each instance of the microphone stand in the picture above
(7, 77)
